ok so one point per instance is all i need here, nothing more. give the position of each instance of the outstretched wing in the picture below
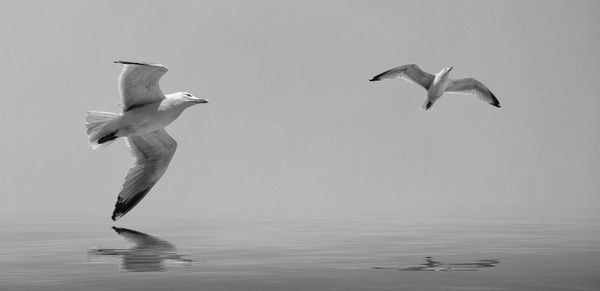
(472, 86)
(138, 84)
(152, 153)
(411, 73)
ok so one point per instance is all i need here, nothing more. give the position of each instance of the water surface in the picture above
(61, 252)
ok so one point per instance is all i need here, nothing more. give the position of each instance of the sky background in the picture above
(294, 128)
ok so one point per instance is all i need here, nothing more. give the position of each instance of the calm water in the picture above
(417, 253)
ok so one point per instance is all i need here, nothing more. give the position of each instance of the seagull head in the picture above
(189, 98)
(445, 71)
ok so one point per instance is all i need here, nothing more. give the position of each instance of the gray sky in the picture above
(294, 127)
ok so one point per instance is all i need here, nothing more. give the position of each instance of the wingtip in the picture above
(495, 101)
(130, 63)
(116, 216)
(137, 63)
(374, 79)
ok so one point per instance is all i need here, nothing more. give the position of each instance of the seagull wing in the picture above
(411, 73)
(138, 84)
(472, 86)
(152, 153)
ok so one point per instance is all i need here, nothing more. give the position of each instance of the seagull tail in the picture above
(95, 122)
(427, 105)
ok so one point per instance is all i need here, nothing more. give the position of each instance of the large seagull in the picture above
(438, 84)
(146, 111)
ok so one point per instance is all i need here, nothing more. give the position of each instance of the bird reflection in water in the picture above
(148, 255)
(433, 265)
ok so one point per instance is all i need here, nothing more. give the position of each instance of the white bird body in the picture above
(438, 84)
(438, 87)
(150, 117)
(146, 111)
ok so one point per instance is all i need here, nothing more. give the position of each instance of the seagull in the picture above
(438, 84)
(146, 111)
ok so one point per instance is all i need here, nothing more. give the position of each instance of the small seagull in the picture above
(146, 111)
(438, 84)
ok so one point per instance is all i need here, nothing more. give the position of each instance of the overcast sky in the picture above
(294, 127)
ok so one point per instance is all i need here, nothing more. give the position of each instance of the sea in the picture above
(57, 251)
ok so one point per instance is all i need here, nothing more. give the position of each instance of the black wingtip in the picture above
(122, 206)
(116, 215)
(495, 101)
(131, 63)
(374, 79)
(108, 137)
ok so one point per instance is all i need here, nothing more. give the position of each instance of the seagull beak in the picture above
(201, 100)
